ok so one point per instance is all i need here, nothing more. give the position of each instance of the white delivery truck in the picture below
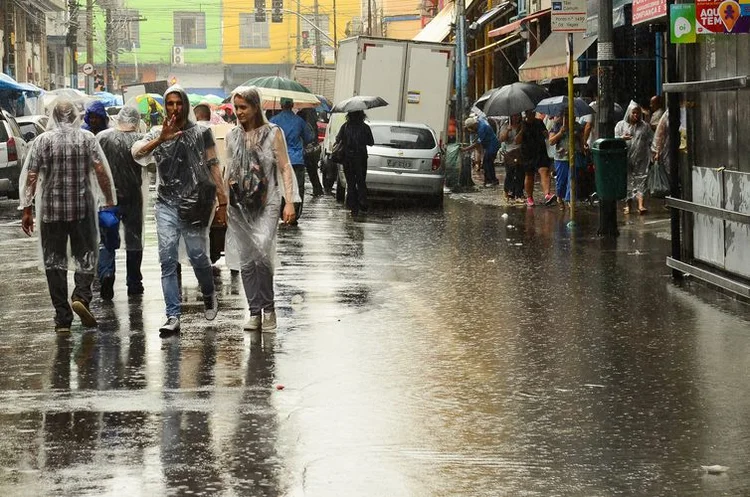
(414, 77)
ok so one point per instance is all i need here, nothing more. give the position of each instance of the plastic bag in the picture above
(452, 165)
(657, 181)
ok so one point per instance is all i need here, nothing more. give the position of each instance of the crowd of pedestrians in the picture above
(531, 145)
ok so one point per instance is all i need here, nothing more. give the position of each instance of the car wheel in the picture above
(340, 192)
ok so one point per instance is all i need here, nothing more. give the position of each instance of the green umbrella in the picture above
(277, 83)
(273, 88)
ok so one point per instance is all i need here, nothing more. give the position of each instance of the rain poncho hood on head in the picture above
(639, 149)
(183, 165)
(131, 179)
(258, 174)
(96, 108)
(64, 175)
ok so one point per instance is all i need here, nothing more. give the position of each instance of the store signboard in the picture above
(649, 11)
(722, 17)
(682, 23)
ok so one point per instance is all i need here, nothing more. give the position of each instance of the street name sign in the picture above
(569, 16)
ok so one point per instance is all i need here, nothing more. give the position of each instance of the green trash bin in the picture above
(611, 163)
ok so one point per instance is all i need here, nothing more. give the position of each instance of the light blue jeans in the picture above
(169, 229)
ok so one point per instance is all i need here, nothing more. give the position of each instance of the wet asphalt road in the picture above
(421, 353)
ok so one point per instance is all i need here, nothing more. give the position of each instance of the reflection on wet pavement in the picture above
(419, 353)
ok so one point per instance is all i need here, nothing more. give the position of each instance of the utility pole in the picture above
(369, 17)
(299, 29)
(72, 42)
(9, 49)
(318, 47)
(110, 40)
(605, 122)
(89, 43)
(462, 77)
(335, 34)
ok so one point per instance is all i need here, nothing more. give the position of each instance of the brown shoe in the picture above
(84, 313)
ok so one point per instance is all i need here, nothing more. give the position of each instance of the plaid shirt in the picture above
(64, 158)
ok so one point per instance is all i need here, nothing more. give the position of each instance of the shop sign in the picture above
(648, 10)
(569, 16)
(682, 23)
(728, 16)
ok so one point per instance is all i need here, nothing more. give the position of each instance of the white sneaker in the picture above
(212, 306)
(171, 326)
(269, 321)
(252, 324)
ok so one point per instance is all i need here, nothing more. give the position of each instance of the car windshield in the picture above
(403, 137)
(27, 128)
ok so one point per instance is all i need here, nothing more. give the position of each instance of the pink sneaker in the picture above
(530, 202)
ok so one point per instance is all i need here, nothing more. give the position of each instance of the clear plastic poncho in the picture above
(67, 176)
(131, 179)
(183, 166)
(639, 149)
(257, 175)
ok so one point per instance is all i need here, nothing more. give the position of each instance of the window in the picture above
(126, 29)
(322, 23)
(253, 34)
(403, 137)
(190, 29)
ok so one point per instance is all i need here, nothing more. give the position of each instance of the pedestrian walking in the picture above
(68, 175)
(312, 150)
(514, 172)
(533, 141)
(487, 140)
(131, 184)
(189, 184)
(353, 139)
(297, 135)
(95, 119)
(559, 137)
(638, 136)
(258, 176)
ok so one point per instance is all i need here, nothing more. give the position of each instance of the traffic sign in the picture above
(569, 16)
(88, 69)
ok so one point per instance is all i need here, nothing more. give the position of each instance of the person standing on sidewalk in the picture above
(487, 139)
(67, 172)
(514, 173)
(258, 176)
(312, 150)
(559, 138)
(297, 135)
(532, 138)
(130, 179)
(638, 136)
(189, 184)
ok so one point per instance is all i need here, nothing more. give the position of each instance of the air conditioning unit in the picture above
(178, 56)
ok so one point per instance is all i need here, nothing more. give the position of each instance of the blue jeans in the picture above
(562, 180)
(132, 223)
(169, 229)
(488, 163)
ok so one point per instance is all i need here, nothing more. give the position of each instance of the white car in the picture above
(406, 160)
(12, 153)
(32, 126)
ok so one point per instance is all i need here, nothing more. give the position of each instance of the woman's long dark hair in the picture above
(356, 117)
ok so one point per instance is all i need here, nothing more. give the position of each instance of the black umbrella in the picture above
(359, 102)
(514, 98)
(481, 101)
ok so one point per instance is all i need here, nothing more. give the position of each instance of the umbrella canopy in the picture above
(8, 83)
(553, 106)
(514, 98)
(481, 101)
(359, 102)
(325, 104)
(141, 102)
(271, 97)
(108, 99)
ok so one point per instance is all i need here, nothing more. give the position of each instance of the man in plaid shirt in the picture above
(63, 158)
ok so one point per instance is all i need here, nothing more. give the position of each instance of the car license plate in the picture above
(399, 163)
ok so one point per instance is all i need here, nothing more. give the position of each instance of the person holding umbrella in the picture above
(532, 138)
(487, 139)
(354, 137)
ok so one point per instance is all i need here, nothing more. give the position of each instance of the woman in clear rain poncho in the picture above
(131, 183)
(68, 175)
(258, 174)
(638, 135)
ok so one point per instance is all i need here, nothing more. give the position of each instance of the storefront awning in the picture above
(549, 60)
(439, 28)
(508, 28)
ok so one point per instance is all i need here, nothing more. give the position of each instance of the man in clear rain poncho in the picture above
(189, 183)
(68, 175)
(259, 175)
(130, 181)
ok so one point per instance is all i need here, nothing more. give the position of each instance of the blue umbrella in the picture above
(325, 105)
(553, 106)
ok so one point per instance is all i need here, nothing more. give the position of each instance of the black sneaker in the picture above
(84, 313)
(107, 288)
(135, 290)
(171, 326)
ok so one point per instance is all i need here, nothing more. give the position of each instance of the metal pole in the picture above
(487, 55)
(90, 43)
(659, 39)
(369, 17)
(571, 135)
(673, 106)
(108, 42)
(318, 48)
(335, 34)
(605, 123)
(299, 29)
